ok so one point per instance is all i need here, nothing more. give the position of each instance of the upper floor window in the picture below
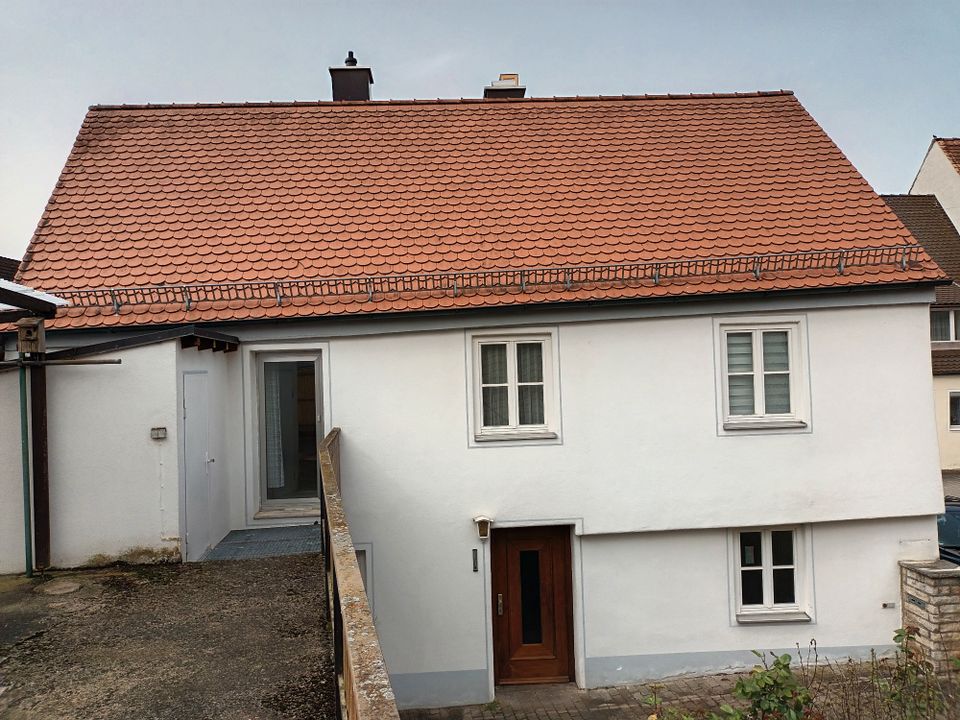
(955, 411)
(513, 387)
(762, 376)
(943, 325)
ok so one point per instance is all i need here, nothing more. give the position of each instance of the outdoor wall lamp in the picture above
(483, 526)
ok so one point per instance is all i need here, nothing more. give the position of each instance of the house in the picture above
(8, 268)
(628, 386)
(927, 220)
(939, 175)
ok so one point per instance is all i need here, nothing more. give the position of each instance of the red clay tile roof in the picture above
(951, 148)
(926, 219)
(158, 195)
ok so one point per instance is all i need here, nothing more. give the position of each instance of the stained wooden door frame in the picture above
(567, 577)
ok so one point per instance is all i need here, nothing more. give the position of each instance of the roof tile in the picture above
(157, 195)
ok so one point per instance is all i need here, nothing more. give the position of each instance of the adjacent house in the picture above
(939, 175)
(8, 268)
(926, 219)
(674, 348)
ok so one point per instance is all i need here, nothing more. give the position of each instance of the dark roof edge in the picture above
(508, 309)
(446, 101)
(140, 340)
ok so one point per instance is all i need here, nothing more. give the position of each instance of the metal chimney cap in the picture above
(351, 61)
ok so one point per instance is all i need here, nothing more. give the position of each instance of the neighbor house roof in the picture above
(951, 148)
(945, 362)
(8, 268)
(926, 219)
(328, 208)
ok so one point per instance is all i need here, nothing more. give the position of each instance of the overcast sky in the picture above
(881, 77)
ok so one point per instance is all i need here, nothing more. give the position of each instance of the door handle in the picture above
(499, 603)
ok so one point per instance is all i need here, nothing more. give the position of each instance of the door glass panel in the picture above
(530, 620)
(290, 429)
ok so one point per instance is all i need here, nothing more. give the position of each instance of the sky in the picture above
(882, 77)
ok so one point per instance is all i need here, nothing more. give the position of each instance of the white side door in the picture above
(196, 456)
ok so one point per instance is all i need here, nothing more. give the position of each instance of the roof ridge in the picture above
(446, 101)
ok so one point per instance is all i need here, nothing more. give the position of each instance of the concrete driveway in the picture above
(236, 639)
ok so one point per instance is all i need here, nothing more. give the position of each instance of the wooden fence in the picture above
(362, 682)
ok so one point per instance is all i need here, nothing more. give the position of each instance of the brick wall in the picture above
(930, 598)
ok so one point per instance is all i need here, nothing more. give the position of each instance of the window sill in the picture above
(762, 424)
(506, 437)
(772, 616)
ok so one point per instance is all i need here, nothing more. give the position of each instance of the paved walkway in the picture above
(267, 543)
(567, 702)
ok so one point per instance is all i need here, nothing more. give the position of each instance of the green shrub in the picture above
(773, 692)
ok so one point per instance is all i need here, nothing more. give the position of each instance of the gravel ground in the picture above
(232, 640)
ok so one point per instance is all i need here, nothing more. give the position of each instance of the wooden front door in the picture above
(532, 605)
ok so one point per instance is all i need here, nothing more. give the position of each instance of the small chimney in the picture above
(508, 86)
(351, 82)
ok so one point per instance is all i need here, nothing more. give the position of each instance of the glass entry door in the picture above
(290, 426)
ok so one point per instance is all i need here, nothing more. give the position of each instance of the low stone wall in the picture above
(930, 598)
(362, 680)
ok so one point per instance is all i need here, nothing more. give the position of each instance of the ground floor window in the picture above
(769, 573)
(955, 411)
(289, 427)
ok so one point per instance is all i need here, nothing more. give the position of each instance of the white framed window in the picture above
(944, 325)
(762, 375)
(513, 386)
(770, 574)
(955, 410)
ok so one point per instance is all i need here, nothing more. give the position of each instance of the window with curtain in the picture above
(944, 325)
(759, 373)
(955, 411)
(513, 386)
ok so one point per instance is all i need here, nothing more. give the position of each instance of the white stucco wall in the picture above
(113, 490)
(949, 440)
(11, 485)
(640, 453)
(658, 603)
(938, 176)
(641, 471)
